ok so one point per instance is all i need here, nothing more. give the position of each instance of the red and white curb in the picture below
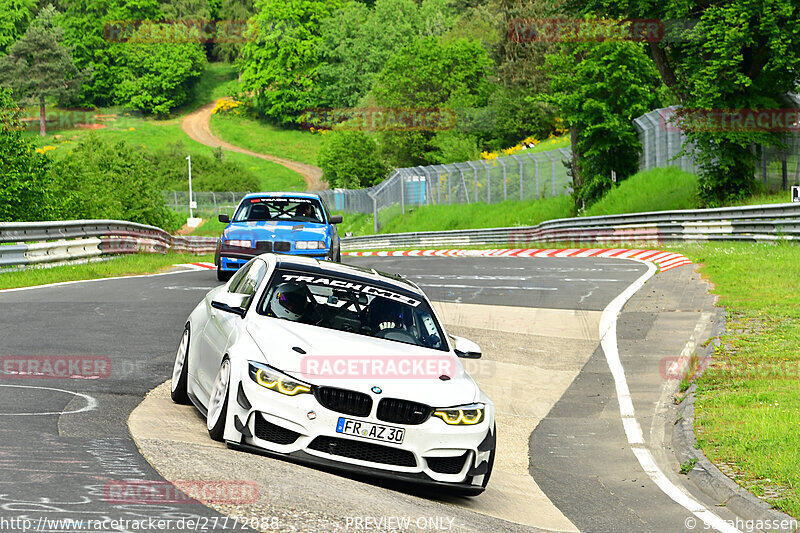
(663, 260)
(198, 266)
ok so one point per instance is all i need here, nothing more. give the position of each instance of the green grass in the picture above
(658, 189)
(508, 213)
(217, 81)
(258, 136)
(127, 265)
(211, 227)
(155, 135)
(747, 413)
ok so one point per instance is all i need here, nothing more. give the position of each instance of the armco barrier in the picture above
(49, 242)
(748, 223)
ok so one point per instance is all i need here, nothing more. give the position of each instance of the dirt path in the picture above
(196, 125)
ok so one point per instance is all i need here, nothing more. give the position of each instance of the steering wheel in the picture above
(396, 334)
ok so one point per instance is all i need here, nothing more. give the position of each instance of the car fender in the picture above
(242, 350)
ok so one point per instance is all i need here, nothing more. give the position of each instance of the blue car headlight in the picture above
(310, 245)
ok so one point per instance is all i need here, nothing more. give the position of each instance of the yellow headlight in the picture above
(463, 416)
(276, 383)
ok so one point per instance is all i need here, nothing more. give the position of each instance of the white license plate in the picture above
(368, 430)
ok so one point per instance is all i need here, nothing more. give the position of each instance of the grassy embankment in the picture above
(157, 135)
(748, 399)
(127, 265)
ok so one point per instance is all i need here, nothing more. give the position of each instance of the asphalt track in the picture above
(56, 465)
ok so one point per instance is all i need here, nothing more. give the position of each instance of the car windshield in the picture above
(286, 209)
(353, 306)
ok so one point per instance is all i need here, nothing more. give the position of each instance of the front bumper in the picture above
(431, 443)
(234, 259)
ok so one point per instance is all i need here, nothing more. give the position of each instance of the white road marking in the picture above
(633, 432)
(447, 286)
(91, 403)
(76, 282)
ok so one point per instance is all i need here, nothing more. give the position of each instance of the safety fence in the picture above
(31, 243)
(27, 243)
(206, 203)
(663, 144)
(749, 223)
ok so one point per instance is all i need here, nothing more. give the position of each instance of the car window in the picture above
(280, 209)
(251, 280)
(351, 305)
(239, 276)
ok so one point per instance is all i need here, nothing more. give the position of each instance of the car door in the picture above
(222, 325)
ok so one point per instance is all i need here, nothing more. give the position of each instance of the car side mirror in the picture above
(231, 302)
(466, 348)
(225, 219)
(336, 219)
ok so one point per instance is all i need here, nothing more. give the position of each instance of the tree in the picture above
(356, 43)
(17, 14)
(743, 54)
(430, 79)
(38, 66)
(349, 159)
(96, 30)
(157, 77)
(238, 11)
(599, 88)
(357, 40)
(281, 60)
(24, 173)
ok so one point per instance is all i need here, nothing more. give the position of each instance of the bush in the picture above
(349, 159)
(105, 179)
(208, 173)
(25, 192)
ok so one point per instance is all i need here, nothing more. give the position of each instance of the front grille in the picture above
(447, 465)
(282, 246)
(402, 411)
(274, 433)
(344, 401)
(264, 246)
(363, 451)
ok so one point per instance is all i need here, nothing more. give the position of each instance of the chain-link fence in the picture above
(521, 176)
(662, 141)
(207, 203)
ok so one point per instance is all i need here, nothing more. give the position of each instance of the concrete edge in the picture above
(706, 475)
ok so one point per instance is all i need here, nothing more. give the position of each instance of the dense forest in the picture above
(402, 82)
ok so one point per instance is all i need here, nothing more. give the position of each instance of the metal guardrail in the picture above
(28, 243)
(749, 223)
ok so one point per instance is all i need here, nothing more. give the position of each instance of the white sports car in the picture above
(332, 364)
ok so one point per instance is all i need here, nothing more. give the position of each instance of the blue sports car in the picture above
(286, 223)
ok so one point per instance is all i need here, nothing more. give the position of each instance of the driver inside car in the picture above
(294, 302)
(388, 314)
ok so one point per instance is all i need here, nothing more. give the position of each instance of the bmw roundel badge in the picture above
(376, 390)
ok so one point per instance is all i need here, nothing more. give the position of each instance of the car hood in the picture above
(271, 230)
(278, 339)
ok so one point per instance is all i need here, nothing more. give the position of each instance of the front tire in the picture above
(218, 402)
(180, 370)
